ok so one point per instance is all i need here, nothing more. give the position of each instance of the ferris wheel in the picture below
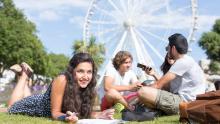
(139, 26)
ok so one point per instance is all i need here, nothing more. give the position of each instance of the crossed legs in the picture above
(113, 96)
(160, 99)
(148, 95)
(21, 89)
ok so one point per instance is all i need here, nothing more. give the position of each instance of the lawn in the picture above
(20, 119)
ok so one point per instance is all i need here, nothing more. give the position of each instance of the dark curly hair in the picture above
(77, 99)
(120, 58)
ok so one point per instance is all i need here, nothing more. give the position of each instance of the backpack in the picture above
(205, 109)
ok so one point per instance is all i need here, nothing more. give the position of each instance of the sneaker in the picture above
(118, 110)
(118, 107)
(16, 68)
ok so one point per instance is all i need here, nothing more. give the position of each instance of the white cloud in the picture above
(79, 20)
(38, 5)
(50, 10)
(205, 22)
(49, 16)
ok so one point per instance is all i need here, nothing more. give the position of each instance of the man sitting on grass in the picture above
(185, 79)
(119, 81)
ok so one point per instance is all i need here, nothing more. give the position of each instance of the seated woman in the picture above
(70, 96)
(168, 62)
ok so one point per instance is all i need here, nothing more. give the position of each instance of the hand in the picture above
(154, 85)
(71, 117)
(150, 71)
(136, 86)
(106, 114)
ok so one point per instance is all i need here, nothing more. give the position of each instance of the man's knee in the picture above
(143, 91)
(148, 94)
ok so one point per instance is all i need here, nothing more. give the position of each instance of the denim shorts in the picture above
(168, 102)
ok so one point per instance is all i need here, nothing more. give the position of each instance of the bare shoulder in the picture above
(60, 81)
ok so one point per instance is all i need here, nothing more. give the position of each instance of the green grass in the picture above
(21, 119)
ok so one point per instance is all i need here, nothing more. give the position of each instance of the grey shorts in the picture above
(168, 102)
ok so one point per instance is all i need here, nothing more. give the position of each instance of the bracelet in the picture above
(62, 118)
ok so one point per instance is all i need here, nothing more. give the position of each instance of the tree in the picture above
(18, 39)
(210, 42)
(96, 50)
(57, 64)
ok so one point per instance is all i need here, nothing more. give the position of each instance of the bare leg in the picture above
(148, 95)
(18, 92)
(27, 90)
(113, 96)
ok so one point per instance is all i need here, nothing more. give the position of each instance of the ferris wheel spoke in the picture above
(109, 30)
(156, 8)
(121, 42)
(182, 9)
(134, 7)
(147, 42)
(154, 35)
(142, 54)
(141, 57)
(147, 57)
(122, 3)
(167, 32)
(106, 12)
(154, 26)
(115, 7)
(114, 34)
(104, 22)
(136, 45)
(118, 47)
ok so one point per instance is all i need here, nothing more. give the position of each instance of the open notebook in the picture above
(100, 121)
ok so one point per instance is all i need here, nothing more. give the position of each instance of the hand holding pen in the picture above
(71, 116)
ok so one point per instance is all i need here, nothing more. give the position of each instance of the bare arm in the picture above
(57, 92)
(152, 72)
(165, 80)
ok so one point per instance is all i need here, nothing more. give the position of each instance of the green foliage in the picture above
(210, 42)
(18, 39)
(57, 64)
(96, 50)
(215, 66)
(216, 27)
(79, 46)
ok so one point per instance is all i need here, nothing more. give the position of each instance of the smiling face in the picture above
(83, 74)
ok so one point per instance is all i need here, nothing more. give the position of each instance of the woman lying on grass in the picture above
(69, 97)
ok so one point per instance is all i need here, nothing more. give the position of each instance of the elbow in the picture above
(106, 89)
(53, 116)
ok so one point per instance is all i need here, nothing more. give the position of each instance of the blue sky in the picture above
(60, 22)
